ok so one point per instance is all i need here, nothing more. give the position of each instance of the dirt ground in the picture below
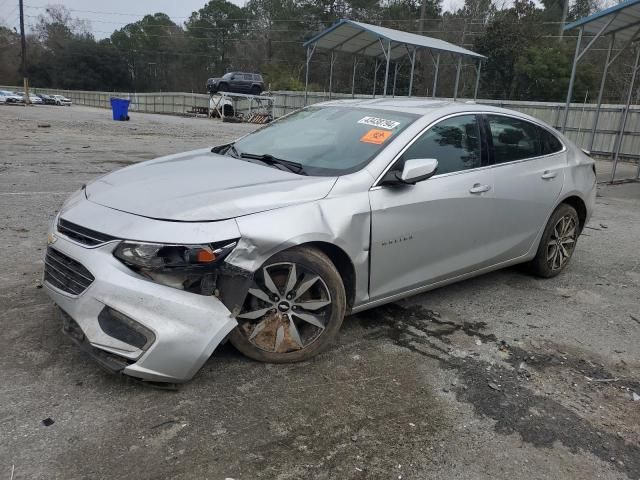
(502, 376)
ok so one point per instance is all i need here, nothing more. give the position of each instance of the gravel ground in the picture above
(502, 376)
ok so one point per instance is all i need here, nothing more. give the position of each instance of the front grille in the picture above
(65, 273)
(82, 235)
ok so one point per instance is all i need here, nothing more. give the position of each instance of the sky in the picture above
(105, 16)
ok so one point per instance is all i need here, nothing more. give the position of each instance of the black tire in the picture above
(310, 262)
(223, 87)
(544, 266)
(256, 90)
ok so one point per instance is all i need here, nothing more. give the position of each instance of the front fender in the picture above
(344, 221)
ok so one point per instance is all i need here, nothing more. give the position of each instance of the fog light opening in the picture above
(117, 325)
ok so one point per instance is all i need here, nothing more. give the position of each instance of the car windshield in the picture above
(327, 141)
(227, 76)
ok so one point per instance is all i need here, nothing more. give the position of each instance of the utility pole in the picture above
(423, 12)
(24, 55)
(423, 54)
(565, 11)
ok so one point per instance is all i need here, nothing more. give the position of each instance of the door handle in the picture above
(549, 174)
(477, 188)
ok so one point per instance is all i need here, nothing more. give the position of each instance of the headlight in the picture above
(159, 256)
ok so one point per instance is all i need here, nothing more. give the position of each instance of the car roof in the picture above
(428, 107)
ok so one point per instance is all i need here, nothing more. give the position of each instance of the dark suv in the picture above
(237, 82)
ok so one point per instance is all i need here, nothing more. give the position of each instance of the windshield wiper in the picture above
(294, 167)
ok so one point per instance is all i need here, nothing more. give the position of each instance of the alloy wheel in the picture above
(562, 242)
(287, 308)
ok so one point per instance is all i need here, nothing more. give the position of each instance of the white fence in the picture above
(578, 126)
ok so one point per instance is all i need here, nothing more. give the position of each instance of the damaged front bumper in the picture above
(128, 323)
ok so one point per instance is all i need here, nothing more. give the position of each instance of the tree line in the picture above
(528, 58)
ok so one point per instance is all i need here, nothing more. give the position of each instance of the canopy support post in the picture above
(353, 81)
(435, 77)
(572, 80)
(623, 122)
(375, 78)
(386, 73)
(478, 69)
(331, 72)
(413, 65)
(310, 51)
(395, 76)
(455, 88)
(602, 84)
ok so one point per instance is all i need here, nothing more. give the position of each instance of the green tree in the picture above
(213, 34)
(153, 49)
(542, 73)
(9, 57)
(511, 32)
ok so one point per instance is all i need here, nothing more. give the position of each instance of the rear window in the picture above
(328, 140)
(516, 139)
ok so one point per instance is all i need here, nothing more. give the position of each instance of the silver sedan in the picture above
(271, 240)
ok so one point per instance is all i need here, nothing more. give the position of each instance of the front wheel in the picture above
(293, 310)
(558, 242)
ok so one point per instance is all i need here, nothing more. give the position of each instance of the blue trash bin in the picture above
(120, 109)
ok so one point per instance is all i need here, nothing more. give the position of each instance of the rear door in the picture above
(236, 82)
(438, 228)
(528, 173)
(247, 81)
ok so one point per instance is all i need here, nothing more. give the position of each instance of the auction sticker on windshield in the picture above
(376, 136)
(379, 122)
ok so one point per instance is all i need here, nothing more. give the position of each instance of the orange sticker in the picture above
(376, 136)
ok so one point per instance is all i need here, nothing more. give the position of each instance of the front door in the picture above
(438, 228)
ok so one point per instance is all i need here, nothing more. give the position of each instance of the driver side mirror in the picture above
(418, 169)
(415, 170)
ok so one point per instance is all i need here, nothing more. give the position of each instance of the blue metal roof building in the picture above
(620, 23)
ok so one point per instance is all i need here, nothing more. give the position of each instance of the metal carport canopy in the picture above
(619, 19)
(620, 23)
(357, 38)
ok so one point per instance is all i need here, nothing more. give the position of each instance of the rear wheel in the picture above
(558, 242)
(293, 310)
(256, 90)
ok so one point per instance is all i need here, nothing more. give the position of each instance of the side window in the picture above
(514, 139)
(454, 142)
(549, 142)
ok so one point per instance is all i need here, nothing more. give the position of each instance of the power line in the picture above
(474, 21)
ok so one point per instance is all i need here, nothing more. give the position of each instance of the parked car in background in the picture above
(272, 239)
(47, 99)
(35, 99)
(11, 97)
(237, 82)
(62, 100)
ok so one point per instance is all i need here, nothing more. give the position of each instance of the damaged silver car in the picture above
(271, 240)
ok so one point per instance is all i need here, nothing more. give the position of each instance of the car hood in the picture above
(203, 186)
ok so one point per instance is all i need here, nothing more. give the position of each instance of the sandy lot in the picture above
(503, 376)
